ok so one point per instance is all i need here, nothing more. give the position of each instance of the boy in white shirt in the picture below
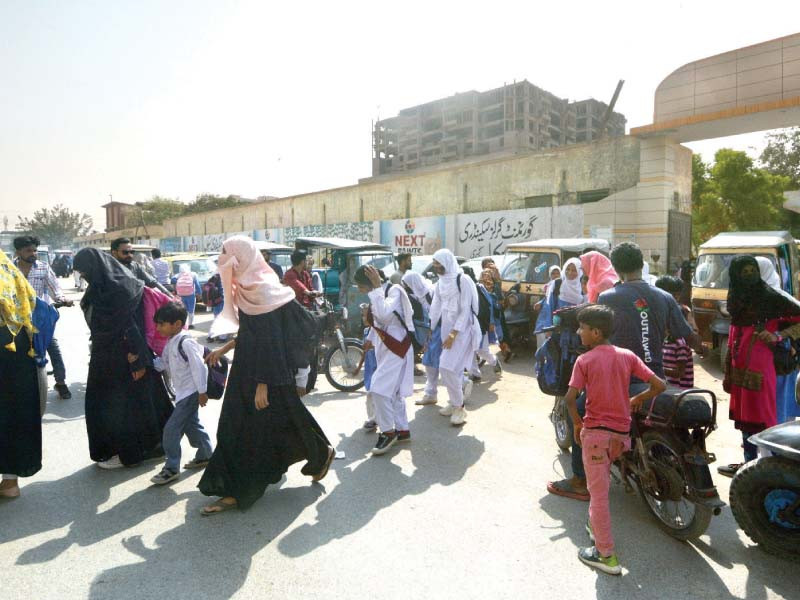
(188, 374)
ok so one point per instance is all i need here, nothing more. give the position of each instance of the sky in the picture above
(130, 99)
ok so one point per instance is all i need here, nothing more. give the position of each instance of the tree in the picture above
(56, 226)
(206, 202)
(734, 195)
(782, 155)
(154, 211)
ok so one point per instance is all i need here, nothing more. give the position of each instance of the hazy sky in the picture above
(135, 98)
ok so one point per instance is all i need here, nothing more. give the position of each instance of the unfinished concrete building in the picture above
(515, 118)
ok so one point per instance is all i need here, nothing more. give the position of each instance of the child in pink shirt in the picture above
(604, 372)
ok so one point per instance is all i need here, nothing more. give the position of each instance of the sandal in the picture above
(326, 467)
(222, 506)
(729, 470)
(565, 488)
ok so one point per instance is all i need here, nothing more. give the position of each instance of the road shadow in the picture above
(318, 398)
(440, 454)
(231, 540)
(74, 502)
(59, 410)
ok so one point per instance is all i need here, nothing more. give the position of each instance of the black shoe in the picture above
(497, 368)
(481, 363)
(403, 436)
(475, 378)
(385, 441)
(63, 391)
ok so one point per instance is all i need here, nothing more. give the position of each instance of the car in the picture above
(202, 266)
(280, 254)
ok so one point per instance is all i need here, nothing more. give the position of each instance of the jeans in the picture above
(189, 303)
(185, 420)
(54, 352)
(600, 449)
(750, 450)
(577, 452)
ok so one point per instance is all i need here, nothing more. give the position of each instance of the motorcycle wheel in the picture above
(561, 423)
(760, 489)
(335, 370)
(676, 514)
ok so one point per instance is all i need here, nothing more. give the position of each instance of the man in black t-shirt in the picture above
(642, 316)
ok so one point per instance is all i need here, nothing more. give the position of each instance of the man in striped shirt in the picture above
(45, 284)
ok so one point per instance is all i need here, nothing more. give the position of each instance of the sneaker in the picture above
(468, 389)
(165, 476)
(426, 399)
(385, 441)
(447, 410)
(197, 463)
(112, 463)
(497, 368)
(403, 435)
(370, 425)
(589, 531)
(459, 416)
(63, 391)
(475, 378)
(607, 564)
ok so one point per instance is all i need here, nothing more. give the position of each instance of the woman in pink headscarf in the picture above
(263, 427)
(602, 275)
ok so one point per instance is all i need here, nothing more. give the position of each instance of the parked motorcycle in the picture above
(668, 461)
(765, 493)
(340, 357)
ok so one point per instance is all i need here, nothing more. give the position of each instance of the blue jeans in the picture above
(577, 451)
(54, 352)
(184, 420)
(750, 449)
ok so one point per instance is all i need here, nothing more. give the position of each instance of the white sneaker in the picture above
(467, 389)
(459, 416)
(112, 463)
(447, 410)
(426, 399)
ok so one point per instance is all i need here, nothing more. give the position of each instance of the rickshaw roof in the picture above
(568, 244)
(748, 239)
(271, 246)
(338, 244)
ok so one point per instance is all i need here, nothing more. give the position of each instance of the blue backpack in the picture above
(556, 358)
(217, 374)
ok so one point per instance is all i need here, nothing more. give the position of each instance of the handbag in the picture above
(744, 377)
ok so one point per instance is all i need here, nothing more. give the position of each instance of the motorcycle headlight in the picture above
(344, 313)
(723, 308)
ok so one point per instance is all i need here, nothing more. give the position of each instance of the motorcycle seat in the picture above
(693, 410)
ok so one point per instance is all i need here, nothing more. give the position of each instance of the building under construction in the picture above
(515, 118)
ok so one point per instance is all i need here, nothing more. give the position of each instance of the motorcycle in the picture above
(668, 461)
(339, 357)
(765, 493)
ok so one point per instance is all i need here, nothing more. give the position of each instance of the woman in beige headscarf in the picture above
(263, 427)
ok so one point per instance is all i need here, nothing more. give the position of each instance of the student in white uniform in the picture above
(393, 379)
(455, 305)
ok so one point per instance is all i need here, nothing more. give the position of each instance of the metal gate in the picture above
(679, 239)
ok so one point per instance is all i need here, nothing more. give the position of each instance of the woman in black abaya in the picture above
(264, 427)
(127, 404)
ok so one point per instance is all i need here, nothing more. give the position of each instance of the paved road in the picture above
(458, 513)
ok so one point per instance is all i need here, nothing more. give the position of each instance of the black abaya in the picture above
(255, 448)
(20, 413)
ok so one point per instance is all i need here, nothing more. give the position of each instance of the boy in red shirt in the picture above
(604, 372)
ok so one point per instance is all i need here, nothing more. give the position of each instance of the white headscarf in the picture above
(185, 268)
(448, 284)
(420, 287)
(571, 288)
(768, 273)
(249, 285)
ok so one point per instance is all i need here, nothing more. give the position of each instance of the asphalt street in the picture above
(457, 513)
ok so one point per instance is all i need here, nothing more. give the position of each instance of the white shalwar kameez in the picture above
(393, 380)
(457, 310)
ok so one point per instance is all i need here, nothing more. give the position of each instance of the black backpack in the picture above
(414, 343)
(217, 375)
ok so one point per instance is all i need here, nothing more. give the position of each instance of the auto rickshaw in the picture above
(526, 273)
(711, 278)
(345, 257)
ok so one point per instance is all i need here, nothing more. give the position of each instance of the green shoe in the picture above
(606, 564)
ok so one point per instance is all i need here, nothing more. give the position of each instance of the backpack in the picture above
(414, 342)
(184, 286)
(556, 358)
(217, 375)
(212, 294)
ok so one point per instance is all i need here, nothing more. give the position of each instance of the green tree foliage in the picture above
(734, 195)
(206, 202)
(782, 155)
(56, 226)
(154, 211)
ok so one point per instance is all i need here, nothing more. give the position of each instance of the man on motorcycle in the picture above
(642, 316)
